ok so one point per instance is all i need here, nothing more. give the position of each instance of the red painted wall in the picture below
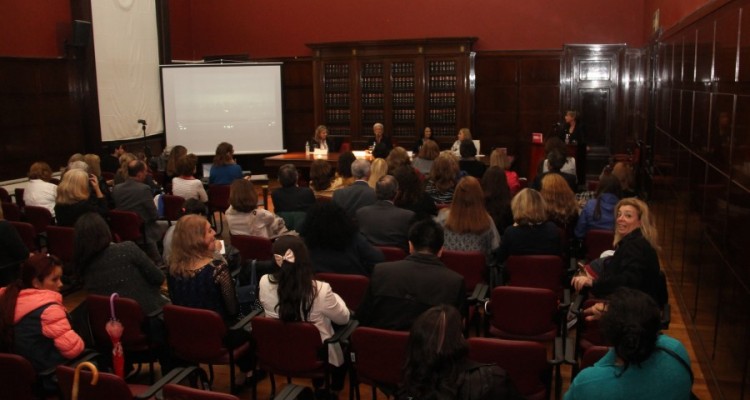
(670, 12)
(34, 28)
(180, 21)
(266, 28)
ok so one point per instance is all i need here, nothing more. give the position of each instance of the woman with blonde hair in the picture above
(468, 226)
(463, 134)
(499, 158)
(378, 169)
(428, 152)
(443, 177)
(320, 139)
(635, 262)
(40, 192)
(73, 197)
(531, 232)
(94, 163)
(560, 202)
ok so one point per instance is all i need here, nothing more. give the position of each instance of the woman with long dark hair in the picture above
(411, 194)
(225, 169)
(497, 197)
(292, 294)
(437, 364)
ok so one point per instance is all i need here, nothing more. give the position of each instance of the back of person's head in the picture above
(429, 150)
(111, 147)
(288, 175)
(386, 188)
(495, 188)
(467, 212)
(224, 154)
(631, 324)
(320, 175)
(378, 169)
(554, 143)
(174, 155)
(409, 186)
(91, 237)
(559, 198)
(294, 278)
(396, 158)
(327, 226)
(426, 236)
(344, 166)
(94, 163)
(434, 355)
(186, 165)
(499, 158)
(444, 171)
(188, 244)
(624, 172)
(75, 157)
(609, 184)
(360, 169)
(528, 207)
(242, 195)
(73, 187)
(467, 148)
(40, 170)
(79, 165)
(136, 167)
(194, 206)
(556, 160)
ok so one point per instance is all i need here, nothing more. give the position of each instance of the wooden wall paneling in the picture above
(299, 118)
(726, 53)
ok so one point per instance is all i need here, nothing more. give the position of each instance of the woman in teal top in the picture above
(642, 363)
(225, 169)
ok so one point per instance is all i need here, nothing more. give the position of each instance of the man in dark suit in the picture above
(111, 161)
(359, 193)
(400, 291)
(290, 197)
(134, 195)
(383, 223)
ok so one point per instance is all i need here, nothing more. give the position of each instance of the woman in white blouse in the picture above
(185, 184)
(245, 218)
(40, 192)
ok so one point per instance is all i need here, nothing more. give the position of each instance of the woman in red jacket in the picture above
(33, 320)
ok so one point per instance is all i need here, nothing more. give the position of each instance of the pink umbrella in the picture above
(114, 330)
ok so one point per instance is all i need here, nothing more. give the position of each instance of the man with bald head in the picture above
(382, 223)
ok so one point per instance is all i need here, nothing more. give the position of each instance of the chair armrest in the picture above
(480, 293)
(342, 335)
(570, 351)
(566, 300)
(86, 355)
(559, 352)
(175, 376)
(245, 320)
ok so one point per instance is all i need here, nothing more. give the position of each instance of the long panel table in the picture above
(299, 159)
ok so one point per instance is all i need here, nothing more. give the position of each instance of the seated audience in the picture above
(556, 161)
(344, 176)
(423, 160)
(400, 291)
(12, 251)
(111, 161)
(411, 195)
(292, 294)
(642, 363)
(359, 193)
(225, 169)
(185, 184)
(378, 169)
(94, 167)
(443, 178)
(335, 243)
(624, 172)
(40, 192)
(122, 174)
(291, 197)
(468, 226)
(33, 322)
(438, 366)
(170, 171)
(468, 162)
(397, 158)
(384, 224)
(531, 233)
(463, 134)
(191, 206)
(599, 213)
(497, 198)
(108, 267)
(73, 199)
(555, 143)
(320, 178)
(245, 218)
(560, 203)
(499, 158)
(426, 135)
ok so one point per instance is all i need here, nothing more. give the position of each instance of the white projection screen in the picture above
(206, 104)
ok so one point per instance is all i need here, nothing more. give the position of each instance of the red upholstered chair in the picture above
(5, 196)
(127, 225)
(179, 392)
(253, 247)
(525, 362)
(172, 207)
(351, 288)
(11, 211)
(17, 377)
(597, 241)
(472, 265)
(197, 336)
(218, 202)
(377, 358)
(136, 343)
(40, 217)
(537, 271)
(19, 197)
(60, 242)
(392, 253)
(27, 233)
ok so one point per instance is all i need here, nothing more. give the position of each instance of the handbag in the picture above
(247, 290)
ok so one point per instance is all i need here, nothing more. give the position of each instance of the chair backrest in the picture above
(253, 247)
(524, 361)
(11, 211)
(194, 334)
(40, 217)
(178, 392)
(128, 225)
(27, 233)
(523, 313)
(351, 288)
(597, 241)
(293, 219)
(130, 315)
(19, 197)
(537, 271)
(5, 196)
(472, 265)
(172, 206)
(379, 355)
(109, 386)
(60, 242)
(17, 377)
(218, 197)
(392, 253)
(288, 348)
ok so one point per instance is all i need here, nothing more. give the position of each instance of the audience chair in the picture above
(253, 247)
(392, 253)
(18, 192)
(351, 288)
(525, 362)
(536, 271)
(377, 356)
(112, 387)
(60, 243)
(295, 392)
(218, 202)
(198, 336)
(178, 392)
(128, 225)
(293, 349)
(293, 219)
(27, 233)
(11, 211)
(40, 217)
(5, 196)
(472, 265)
(136, 343)
(172, 207)
(17, 377)
(597, 241)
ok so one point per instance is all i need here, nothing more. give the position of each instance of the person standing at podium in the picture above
(573, 131)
